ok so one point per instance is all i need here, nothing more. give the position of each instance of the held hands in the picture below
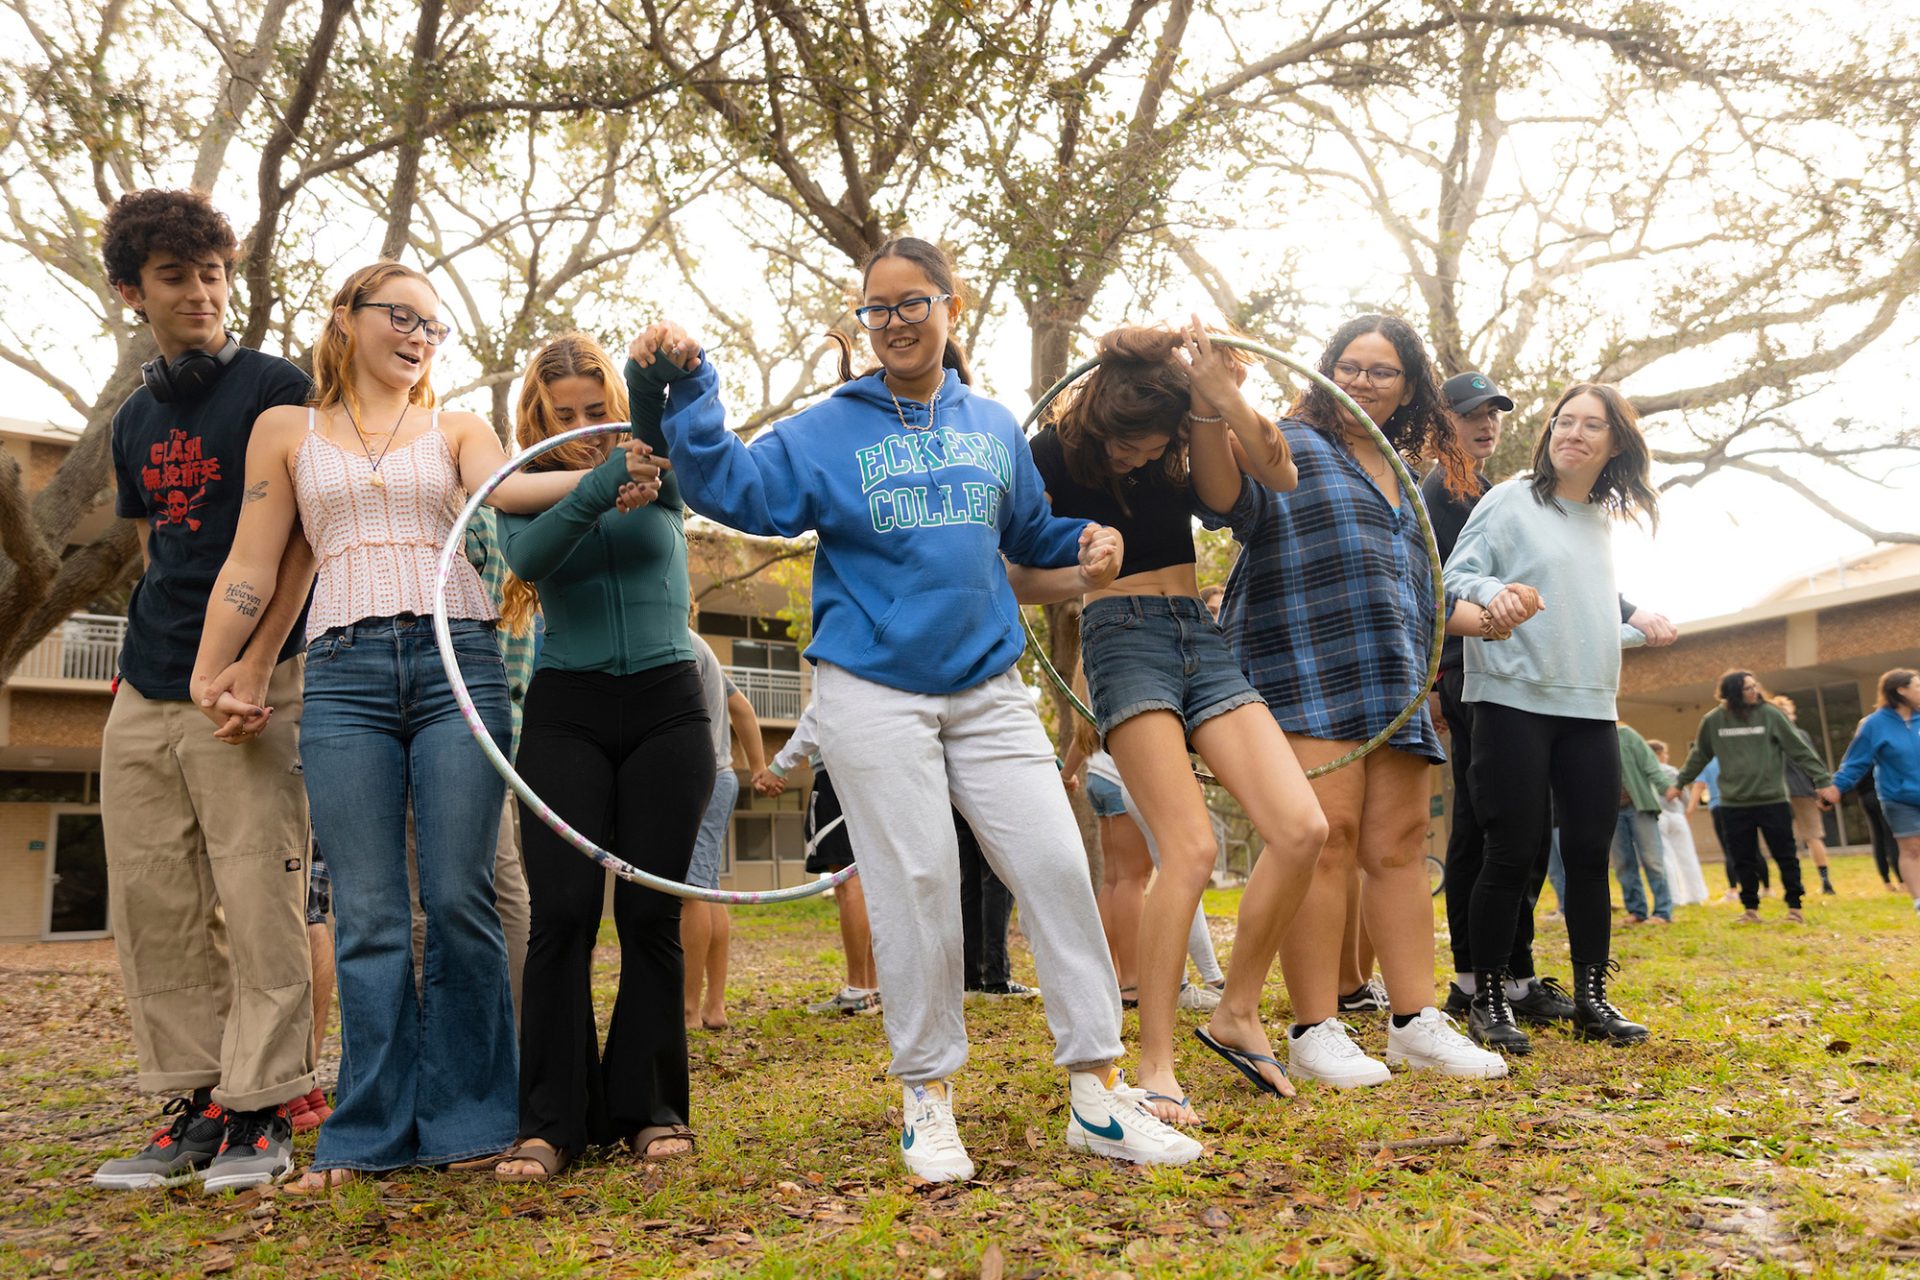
(1514, 605)
(235, 700)
(1213, 375)
(644, 469)
(1100, 555)
(1655, 627)
(670, 342)
(1829, 796)
(769, 783)
(1672, 794)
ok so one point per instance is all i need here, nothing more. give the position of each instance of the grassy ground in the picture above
(1768, 1129)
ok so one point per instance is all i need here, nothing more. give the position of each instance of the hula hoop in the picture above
(1408, 488)
(497, 758)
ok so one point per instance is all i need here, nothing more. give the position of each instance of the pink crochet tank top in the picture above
(378, 544)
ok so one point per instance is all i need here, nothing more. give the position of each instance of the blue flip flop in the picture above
(1242, 1060)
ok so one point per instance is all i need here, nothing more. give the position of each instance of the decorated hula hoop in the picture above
(497, 758)
(1408, 487)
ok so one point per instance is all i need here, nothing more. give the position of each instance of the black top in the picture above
(182, 468)
(1159, 530)
(1448, 516)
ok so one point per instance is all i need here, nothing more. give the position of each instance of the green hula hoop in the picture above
(1408, 487)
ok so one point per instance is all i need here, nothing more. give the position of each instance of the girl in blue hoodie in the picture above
(1887, 744)
(917, 488)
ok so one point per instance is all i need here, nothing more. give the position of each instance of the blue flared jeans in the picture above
(428, 1069)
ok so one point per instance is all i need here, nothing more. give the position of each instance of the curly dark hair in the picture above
(142, 223)
(1418, 429)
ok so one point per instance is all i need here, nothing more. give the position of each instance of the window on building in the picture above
(769, 655)
(22, 786)
(1830, 713)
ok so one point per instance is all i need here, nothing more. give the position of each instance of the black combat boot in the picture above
(1594, 1017)
(1490, 1018)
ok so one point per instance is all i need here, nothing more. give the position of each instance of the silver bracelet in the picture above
(1194, 417)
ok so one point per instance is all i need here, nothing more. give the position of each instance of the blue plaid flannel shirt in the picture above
(1330, 604)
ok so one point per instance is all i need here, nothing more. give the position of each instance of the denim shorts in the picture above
(1105, 796)
(1159, 653)
(1902, 819)
(703, 872)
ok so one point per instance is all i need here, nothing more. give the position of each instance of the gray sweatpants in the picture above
(1199, 937)
(897, 759)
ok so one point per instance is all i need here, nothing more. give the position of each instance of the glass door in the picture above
(77, 876)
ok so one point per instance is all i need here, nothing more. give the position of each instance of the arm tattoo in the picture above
(255, 492)
(243, 598)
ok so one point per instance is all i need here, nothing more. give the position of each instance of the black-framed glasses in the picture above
(1381, 375)
(910, 311)
(406, 320)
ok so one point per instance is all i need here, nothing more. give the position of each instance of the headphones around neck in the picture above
(190, 375)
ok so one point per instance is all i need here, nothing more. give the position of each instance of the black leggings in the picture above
(628, 762)
(1466, 844)
(1886, 850)
(1520, 759)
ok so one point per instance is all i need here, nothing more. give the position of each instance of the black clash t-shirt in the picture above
(182, 468)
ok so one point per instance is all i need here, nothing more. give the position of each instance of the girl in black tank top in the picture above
(1157, 430)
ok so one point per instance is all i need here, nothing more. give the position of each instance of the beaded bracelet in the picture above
(1194, 417)
(1491, 630)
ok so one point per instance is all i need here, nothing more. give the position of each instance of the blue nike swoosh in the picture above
(906, 1138)
(1111, 1130)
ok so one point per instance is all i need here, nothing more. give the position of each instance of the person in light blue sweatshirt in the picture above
(1537, 550)
(1887, 745)
(922, 493)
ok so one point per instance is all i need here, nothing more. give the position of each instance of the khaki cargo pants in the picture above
(207, 885)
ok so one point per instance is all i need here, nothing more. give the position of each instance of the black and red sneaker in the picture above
(259, 1151)
(176, 1152)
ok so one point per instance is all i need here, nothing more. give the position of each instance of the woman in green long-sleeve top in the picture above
(617, 740)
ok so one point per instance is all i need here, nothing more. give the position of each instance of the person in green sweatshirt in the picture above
(1753, 740)
(617, 740)
(1636, 833)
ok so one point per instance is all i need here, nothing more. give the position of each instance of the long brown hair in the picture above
(333, 355)
(1137, 390)
(938, 265)
(571, 355)
(1624, 486)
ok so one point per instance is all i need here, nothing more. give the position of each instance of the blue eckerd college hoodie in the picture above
(908, 588)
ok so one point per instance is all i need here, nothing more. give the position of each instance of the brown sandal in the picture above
(331, 1180)
(642, 1142)
(550, 1159)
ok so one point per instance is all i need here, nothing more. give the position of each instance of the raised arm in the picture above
(1238, 441)
(479, 455)
(757, 490)
(536, 546)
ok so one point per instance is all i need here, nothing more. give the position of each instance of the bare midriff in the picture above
(1171, 580)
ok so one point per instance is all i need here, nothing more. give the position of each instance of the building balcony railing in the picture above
(775, 695)
(81, 654)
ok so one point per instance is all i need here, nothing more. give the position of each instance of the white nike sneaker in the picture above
(1322, 1052)
(929, 1139)
(1431, 1042)
(1114, 1121)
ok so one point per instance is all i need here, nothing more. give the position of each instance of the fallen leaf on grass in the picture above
(1216, 1218)
(993, 1263)
(217, 1262)
(239, 1231)
(1034, 1138)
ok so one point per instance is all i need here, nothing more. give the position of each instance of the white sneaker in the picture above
(1204, 999)
(1322, 1052)
(929, 1139)
(1432, 1042)
(1115, 1122)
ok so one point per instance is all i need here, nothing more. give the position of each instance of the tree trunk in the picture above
(406, 175)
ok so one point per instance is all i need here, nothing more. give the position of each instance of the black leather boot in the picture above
(1594, 1017)
(1490, 1018)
